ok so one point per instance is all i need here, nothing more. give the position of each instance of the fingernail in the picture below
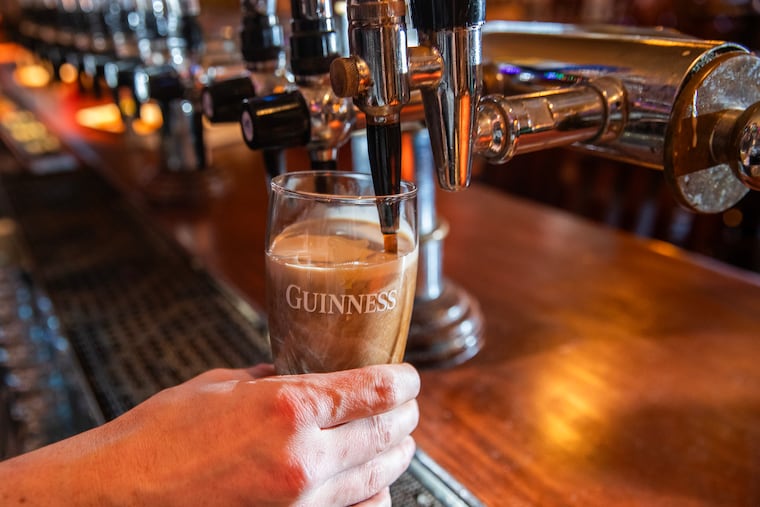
(409, 446)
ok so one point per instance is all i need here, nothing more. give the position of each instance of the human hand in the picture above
(246, 437)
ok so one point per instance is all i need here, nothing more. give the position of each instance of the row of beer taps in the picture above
(465, 87)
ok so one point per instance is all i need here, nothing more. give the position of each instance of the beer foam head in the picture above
(322, 249)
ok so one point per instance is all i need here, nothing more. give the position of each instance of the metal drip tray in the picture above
(138, 315)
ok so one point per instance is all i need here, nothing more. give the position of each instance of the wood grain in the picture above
(616, 371)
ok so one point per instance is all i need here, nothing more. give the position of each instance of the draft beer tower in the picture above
(653, 98)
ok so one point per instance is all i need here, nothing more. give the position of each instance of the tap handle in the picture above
(275, 121)
(313, 39)
(437, 15)
(161, 83)
(222, 100)
(120, 74)
(261, 36)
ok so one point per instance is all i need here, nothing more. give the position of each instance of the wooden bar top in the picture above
(616, 370)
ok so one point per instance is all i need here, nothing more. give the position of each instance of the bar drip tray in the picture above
(138, 314)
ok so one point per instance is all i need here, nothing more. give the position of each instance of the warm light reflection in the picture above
(150, 119)
(105, 117)
(31, 76)
(108, 118)
(407, 158)
(733, 217)
(571, 409)
(68, 73)
(573, 399)
(128, 105)
(666, 249)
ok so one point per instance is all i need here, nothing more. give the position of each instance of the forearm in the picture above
(74, 471)
(229, 438)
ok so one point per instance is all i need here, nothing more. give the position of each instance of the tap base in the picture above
(445, 331)
(185, 188)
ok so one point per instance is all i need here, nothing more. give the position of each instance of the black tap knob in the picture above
(261, 37)
(435, 15)
(222, 101)
(313, 40)
(161, 83)
(276, 121)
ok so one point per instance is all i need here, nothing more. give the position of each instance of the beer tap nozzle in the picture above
(307, 113)
(376, 75)
(452, 28)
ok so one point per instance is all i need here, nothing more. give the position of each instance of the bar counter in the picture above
(616, 370)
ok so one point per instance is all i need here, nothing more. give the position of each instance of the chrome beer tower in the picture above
(655, 98)
(379, 74)
(170, 46)
(382, 74)
(297, 109)
(651, 97)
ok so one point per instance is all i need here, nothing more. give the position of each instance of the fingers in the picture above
(382, 499)
(261, 370)
(240, 374)
(361, 440)
(362, 483)
(339, 397)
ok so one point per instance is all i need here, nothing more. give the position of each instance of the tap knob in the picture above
(276, 121)
(261, 34)
(377, 77)
(161, 83)
(313, 40)
(349, 77)
(222, 100)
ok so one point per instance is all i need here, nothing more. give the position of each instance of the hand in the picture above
(238, 437)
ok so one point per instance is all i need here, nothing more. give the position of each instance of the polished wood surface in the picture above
(616, 370)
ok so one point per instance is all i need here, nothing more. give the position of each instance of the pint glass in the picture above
(336, 299)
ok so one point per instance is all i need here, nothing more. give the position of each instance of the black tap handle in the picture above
(384, 146)
(120, 73)
(280, 120)
(223, 101)
(192, 32)
(261, 37)
(313, 41)
(435, 15)
(161, 83)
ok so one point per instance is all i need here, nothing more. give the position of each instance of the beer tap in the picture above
(452, 29)
(139, 36)
(380, 74)
(168, 77)
(376, 76)
(656, 99)
(263, 50)
(96, 44)
(66, 27)
(309, 115)
(123, 20)
(688, 106)
(36, 31)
